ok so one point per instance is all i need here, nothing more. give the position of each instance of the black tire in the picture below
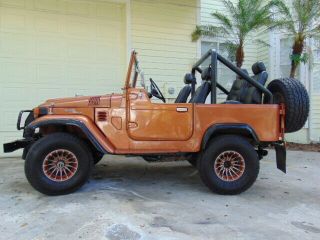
(245, 159)
(293, 94)
(97, 157)
(193, 159)
(76, 157)
(193, 162)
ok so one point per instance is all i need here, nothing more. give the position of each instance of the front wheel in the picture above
(58, 164)
(229, 165)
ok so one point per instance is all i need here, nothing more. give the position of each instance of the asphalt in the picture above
(127, 198)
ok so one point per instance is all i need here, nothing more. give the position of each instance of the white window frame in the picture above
(276, 58)
(305, 74)
(220, 95)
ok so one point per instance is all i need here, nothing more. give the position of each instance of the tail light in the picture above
(282, 113)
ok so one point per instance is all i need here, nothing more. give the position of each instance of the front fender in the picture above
(237, 129)
(96, 137)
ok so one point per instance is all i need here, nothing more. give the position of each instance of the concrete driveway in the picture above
(128, 198)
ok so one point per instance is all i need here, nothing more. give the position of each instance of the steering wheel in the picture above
(155, 91)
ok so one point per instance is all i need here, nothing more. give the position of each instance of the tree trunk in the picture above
(240, 55)
(297, 50)
(293, 69)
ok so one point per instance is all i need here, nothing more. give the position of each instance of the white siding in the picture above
(57, 48)
(315, 122)
(161, 34)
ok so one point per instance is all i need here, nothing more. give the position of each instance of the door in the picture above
(158, 121)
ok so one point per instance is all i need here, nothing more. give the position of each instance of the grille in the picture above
(102, 116)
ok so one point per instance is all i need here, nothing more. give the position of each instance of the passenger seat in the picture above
(236, 90)
(252, 95)
(243, 92)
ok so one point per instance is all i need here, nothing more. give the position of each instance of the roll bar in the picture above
(215, 57)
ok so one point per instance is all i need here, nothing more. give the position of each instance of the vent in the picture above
(102, 116)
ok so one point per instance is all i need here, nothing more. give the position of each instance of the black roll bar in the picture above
(218, 85)
(215, 57)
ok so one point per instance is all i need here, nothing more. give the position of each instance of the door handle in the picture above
(182, 109)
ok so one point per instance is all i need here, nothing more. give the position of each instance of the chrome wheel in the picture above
(229, 166)
(60, 165)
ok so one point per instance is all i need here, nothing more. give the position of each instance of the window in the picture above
(225, 75)
(285, 60)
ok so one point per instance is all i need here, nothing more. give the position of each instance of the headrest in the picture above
(206, 74)
(258, 67)
(245, 71)
(189, 78)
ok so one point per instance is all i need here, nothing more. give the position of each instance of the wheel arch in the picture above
(228, 129)
(66, 125)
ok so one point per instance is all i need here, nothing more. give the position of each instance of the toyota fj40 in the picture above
(64, 138)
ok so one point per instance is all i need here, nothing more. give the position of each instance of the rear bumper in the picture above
(13, 146)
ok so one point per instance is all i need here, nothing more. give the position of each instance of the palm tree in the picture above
(243, 18)
(301, 21)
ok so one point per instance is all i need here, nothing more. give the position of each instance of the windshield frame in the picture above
(134, 65)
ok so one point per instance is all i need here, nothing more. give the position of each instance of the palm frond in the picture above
(262, 42)
(208, 31)
(284, 24)
(246, 16)
(223, 19)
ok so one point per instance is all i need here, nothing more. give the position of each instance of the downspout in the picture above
(310, 90)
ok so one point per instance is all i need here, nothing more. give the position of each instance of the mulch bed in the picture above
(312, 147)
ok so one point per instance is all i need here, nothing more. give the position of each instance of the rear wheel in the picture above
(229, 165)
(58, 164)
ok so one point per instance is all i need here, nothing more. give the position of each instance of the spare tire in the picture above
(293, 94)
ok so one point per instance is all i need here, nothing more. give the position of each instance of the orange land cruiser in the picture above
(64, 138)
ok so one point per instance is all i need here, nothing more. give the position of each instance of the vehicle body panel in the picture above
(160, 128)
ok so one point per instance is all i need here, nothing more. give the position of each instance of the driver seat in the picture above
(186, 90)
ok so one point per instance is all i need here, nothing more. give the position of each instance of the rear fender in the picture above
(236, 129)
(87, 127)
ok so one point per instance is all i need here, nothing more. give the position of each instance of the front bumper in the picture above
(13, 146)
(22, 122)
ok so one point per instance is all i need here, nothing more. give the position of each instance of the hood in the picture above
(81, 101)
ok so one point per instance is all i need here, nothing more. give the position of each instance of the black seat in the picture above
(183, 94)
(203, 91)
(252, 95)
(186, 90)
(243, 92)
(236, 89)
